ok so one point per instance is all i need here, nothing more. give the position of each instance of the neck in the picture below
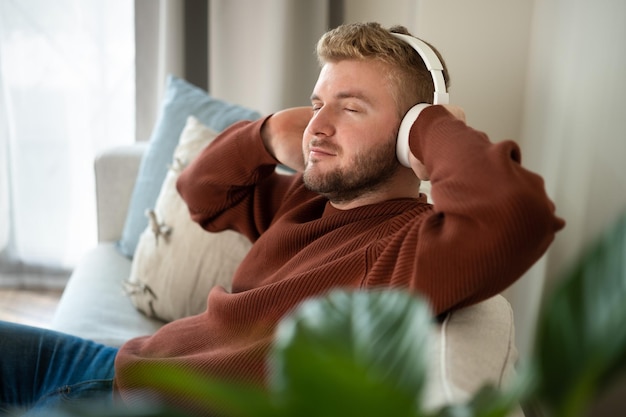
(404, 185)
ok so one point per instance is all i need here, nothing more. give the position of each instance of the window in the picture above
(67, 92)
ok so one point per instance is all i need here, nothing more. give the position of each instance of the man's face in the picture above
(349, 144)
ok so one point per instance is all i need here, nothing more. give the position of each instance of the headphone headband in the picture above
(433, 64)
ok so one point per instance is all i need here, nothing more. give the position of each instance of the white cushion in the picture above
(177, 262)
(93, 305)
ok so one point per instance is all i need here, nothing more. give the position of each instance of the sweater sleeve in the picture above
(232, 184)
(491, 218)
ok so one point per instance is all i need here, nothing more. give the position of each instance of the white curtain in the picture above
(66, 92)
(159, 37)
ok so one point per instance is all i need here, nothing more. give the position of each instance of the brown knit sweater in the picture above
(490, 222)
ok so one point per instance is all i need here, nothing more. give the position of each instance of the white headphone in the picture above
(441, 96)
(433, 64)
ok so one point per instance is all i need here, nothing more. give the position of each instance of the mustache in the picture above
(324, 144)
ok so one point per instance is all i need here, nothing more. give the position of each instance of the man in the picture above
(352, 217)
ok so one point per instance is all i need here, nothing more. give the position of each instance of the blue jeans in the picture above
(41, 370)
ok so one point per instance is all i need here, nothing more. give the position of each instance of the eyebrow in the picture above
(355, 94)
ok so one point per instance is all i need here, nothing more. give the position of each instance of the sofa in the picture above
(109, 297)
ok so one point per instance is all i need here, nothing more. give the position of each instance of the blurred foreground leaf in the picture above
(353, 353)
(488, 402)
(209, 396)
(350, 353)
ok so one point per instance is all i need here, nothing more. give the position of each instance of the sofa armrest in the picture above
(115, 171)
(471, 348)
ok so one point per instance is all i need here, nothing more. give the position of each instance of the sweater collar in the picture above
(385, 207)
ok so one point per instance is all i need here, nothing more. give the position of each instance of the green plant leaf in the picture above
(492, 401)
(488, 402)
(352, 353)
(581, 338)
(209, 396)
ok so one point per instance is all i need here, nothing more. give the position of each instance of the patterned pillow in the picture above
(177, 262)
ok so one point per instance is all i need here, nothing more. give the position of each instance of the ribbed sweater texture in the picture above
(490, 221)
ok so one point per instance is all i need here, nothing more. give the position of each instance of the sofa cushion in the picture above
(181, 99)
(93, 305)
(177, 262)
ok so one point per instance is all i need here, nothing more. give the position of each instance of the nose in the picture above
(322, 123)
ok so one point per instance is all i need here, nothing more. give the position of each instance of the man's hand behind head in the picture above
(456, 111)
(282, 135)
(416, 165)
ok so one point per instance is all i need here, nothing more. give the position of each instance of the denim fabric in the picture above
(41, 369)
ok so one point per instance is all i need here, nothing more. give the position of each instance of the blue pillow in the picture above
(181, 100)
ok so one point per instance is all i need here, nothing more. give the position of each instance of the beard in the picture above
(367, 173)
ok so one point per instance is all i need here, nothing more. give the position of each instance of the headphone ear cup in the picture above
(402, 142)
(434, 65)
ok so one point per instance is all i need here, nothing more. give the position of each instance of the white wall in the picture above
(266, 51)
(387, 13)
(484, 44)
